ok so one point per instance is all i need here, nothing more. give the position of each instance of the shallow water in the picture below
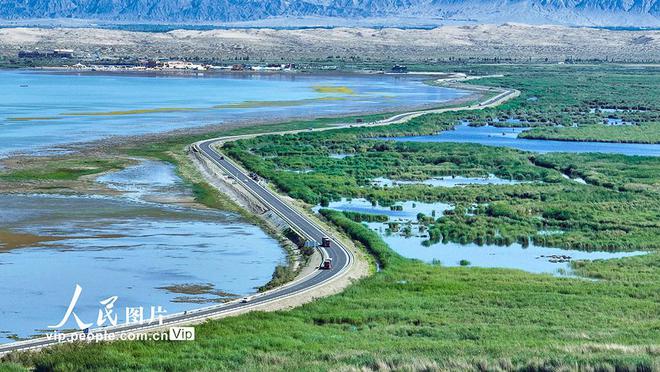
(341, 156)
(534, 259)
(514, 256)
(448, 181)
(575, 179)
(40, 110)
(507, 137)
(149, 180)
(130, 246)
(409, 211)
(125, 246)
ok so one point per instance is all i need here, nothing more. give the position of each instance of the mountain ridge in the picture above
(566, 12)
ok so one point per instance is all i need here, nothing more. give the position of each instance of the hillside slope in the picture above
(570, 12)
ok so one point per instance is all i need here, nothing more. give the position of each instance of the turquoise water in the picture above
(43, 111)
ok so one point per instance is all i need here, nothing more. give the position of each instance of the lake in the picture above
(508, 137)
(44, 111)
(143, 245)
(146, 253)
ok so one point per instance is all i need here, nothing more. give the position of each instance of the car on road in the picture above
(245, 300)
(326, 242)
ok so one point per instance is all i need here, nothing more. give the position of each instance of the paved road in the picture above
(502, 95)
(342, 257)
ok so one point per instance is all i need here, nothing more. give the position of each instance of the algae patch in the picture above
(333, 89)
(262, 104)
(32, 118)
(10, 240)
(194, 293)
(131, 112)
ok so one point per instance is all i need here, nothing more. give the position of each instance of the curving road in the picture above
(341, 256)
(342, 259)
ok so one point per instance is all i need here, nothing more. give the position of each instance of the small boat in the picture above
(24, 86)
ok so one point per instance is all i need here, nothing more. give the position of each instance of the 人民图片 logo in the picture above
(108, 316)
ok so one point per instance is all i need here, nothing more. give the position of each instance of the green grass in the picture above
(617, 172)
(61, 169)
(333, 89)
(11, 367)
(618, 210)
(566, 95)
(417, 316)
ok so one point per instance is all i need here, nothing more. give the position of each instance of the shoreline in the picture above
(118, 147)
(594, 140)
(147, 72)
(472, 94)
(362, 268)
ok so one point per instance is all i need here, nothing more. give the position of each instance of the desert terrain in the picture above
(484, 43)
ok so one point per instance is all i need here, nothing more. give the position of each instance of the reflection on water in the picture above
(508, 137)
(534, 259)
(115, 246)
(57, 108)
(407, 240)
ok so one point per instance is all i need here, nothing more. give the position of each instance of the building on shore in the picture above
(183, 65)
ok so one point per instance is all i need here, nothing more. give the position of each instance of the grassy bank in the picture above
(61, 169)
(417, 316)
(62, 172)
(583, 100)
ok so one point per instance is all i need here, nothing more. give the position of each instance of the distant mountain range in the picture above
(569, 12)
